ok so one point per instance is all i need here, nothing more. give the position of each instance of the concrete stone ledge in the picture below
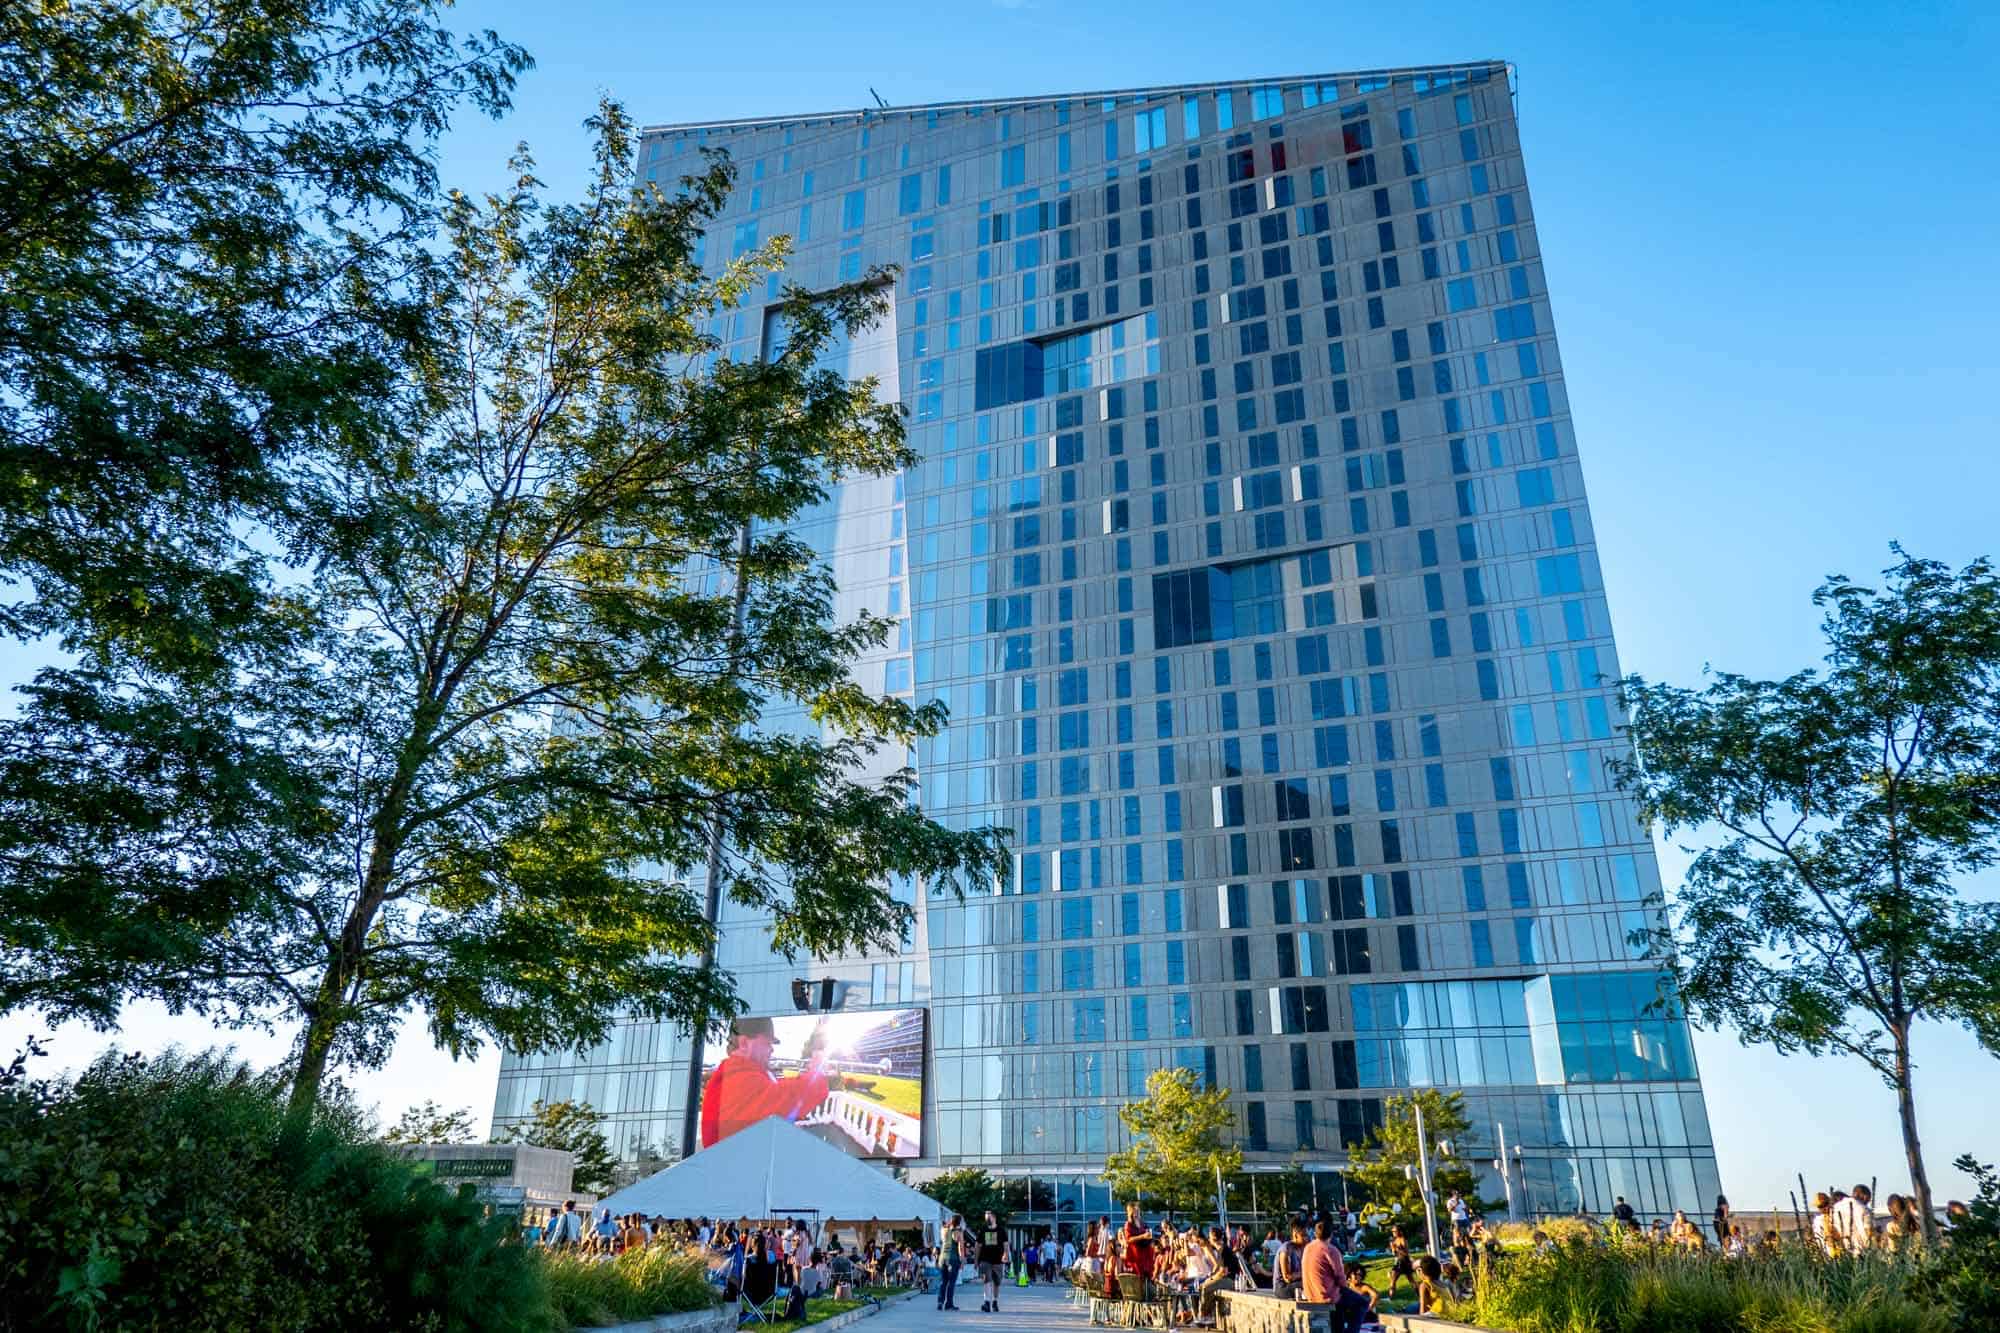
(1427, 1323)
(722, 1319)
(1260, 1312)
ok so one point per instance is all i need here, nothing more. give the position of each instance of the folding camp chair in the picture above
(761, 1302)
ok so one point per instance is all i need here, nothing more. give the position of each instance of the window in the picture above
(1149, 130)
(1013, 167)
(1537, 487)
(853, 209)
(1509, 322)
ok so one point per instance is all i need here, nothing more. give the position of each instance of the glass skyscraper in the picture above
(1249, 549)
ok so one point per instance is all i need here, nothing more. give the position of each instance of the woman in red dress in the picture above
(1138, 1243)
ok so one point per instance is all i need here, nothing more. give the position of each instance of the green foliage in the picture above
(576, 1128)
(1279, 1193)
(431, 1123)
(1847, 805)
(1965, 1272)
(177, 1194)
(1582, 1287)
(210, 214)
(1177, 1145)
(1379, 1169)
(967, 1191)
(509, 688)
(587, 1291)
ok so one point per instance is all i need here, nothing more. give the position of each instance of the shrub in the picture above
(1565, 1230)
(172, 1193)
(1964, 1275)
(1632, 1287)
(586, 1291)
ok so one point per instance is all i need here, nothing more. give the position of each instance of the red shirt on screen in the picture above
(741, 1092)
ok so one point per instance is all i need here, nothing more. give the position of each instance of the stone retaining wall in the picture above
(1257, 1312)
(722, 1319)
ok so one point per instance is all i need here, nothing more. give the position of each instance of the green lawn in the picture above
(898, 1094)
(821, 1308)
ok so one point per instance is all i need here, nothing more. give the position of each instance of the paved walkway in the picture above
(1037, 1309)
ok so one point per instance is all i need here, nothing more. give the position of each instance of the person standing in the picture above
(1854, 1221)
(1721, 1221)
(1822, 1222)
(1461, 1221)
(565, 1228)
(1399, 1251)
(1138, 1242)
(796, 1246)
(992, 1261)
(948, 1261)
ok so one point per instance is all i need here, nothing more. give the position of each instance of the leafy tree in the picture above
(210, 215)
(966, 1191)
(1177, 1143)
(1849, 804)
(515, 694)
(1393, 1146)
(574, 1127)
(1276, 1192)
(431, 1123)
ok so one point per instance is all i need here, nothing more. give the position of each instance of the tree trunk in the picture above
(1913, 1148)
(315, 1048)
(348, 954)
(691, 1106)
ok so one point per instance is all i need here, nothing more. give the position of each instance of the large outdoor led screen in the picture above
(854, 1079)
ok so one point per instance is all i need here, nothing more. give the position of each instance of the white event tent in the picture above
(775, 1170)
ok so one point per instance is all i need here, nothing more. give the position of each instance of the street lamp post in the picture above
(1424, 1182)
(1506, 1175)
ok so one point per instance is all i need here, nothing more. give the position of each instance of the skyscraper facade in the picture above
(1250, 551)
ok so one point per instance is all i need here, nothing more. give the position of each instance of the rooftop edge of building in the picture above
(857, 115)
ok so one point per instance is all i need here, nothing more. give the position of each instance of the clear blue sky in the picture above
(1770, 235)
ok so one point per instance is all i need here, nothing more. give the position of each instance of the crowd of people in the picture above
(749, 1259)
(1842, 1222)
(1186, 1266)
